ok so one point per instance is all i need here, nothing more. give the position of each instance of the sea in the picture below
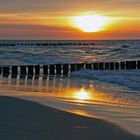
(111, 95)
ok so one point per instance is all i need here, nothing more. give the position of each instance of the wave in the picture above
(130, 79)
(101, 51)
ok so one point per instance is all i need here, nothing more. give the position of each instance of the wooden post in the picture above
(45, 70)
(23, 71)
(5, 71)
(73, 67)
(131, 64)
(95, 66)
(117, 65)
(80, 66)
(65, 69)
(112, 66)
(101, 66)
(52, 69)
(89, 66)
(14, 71)
(37, 70)
(138, 64)
(58, 69)
(123, 67)
(0, 70)
(107, 66)
(30, 70)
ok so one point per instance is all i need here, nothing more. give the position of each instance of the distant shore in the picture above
(25, 120)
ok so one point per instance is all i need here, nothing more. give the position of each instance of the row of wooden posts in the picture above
(66, 69)
(48, 44)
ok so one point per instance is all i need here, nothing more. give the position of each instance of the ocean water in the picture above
(101, 51)
(112, 95)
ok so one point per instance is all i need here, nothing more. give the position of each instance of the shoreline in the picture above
(22, 119)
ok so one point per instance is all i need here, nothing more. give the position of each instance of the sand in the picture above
(27, 120)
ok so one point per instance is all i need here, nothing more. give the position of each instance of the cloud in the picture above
(23, 31)
(46, 18)
(60, 5)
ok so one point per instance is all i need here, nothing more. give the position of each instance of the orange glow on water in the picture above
(82, 95)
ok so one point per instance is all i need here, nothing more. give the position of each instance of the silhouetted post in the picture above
(112, 66)
(30, 70)
(79, 66)
(14, 71)
(65, 69)
(117, 65)
(58, 69)
(123, 66)
(23, 71)
(89, 66)
(95, 66)
(73, 67)
(46, 70)
(101, 66)
(131, 64)
(52, 69)
(0, 70)
(37, 70)
(6, 71)
(107, 65)
(138, 64)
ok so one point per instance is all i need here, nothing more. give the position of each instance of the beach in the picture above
(85, 104)
(27, 120)
(69, 69)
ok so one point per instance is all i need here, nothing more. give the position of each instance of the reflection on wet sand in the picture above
(40, 84)
(77, 96)
(82, 95)
(62, 87)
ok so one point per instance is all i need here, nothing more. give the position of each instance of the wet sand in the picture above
(26, 120)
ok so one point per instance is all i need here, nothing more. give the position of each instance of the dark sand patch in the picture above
(25, 120)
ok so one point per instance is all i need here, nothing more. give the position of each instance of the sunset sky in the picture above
(55, 19)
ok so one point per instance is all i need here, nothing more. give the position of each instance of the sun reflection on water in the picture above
(64, 88)
(98, 100)
(82, 95)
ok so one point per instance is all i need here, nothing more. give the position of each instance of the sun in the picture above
(90, 23)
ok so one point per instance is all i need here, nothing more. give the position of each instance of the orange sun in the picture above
(90, 23)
